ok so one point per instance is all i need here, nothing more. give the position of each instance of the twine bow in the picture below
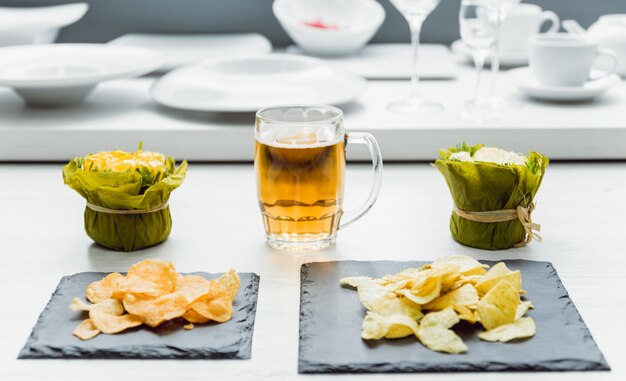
(521, 213)
(125, 211)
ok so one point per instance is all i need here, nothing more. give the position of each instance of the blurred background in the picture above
(108, 19)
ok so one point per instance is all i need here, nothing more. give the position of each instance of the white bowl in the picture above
(38, 25)
(64, 74)
(353, 23)
(250, 83)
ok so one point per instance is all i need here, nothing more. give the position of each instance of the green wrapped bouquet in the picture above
(127, 196)
(493, 192)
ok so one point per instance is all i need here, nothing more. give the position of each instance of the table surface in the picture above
(217, 225)
(120, 113)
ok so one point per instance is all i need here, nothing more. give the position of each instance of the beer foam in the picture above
(320, 137)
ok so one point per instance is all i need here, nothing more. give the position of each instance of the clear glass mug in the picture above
(299, 158)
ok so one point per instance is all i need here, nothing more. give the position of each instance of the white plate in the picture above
(509, 58)
(61, 74)
(526, 82)
(37, 25)
(393, 61)
(180, 50)
(249, 83)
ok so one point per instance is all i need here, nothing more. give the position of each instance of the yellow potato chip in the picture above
(105, 288)
(465, 314)
(194, 288)
(156, 311)
(423, 289)
(522, 308)
(498, 306)
(194, 317)
(354, 281)
(495, 275)
(435, 333)
(86, 330)
(230, 283)
(219, 309)
(396, 326)
(463, 296)
(519, 329)
(381, 299)
(78, 305)
(149, 278)
(466, 265)
(107, 317)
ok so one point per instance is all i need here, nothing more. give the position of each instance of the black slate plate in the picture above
(331, 317)
(52, 335)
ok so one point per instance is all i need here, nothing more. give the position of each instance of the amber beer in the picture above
(300, 188)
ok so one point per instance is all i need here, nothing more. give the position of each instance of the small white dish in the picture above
(329, 27)
(37, 25)
(526, 82)
(392, 61)
(64, 74)
(186, 49)
(250, 83)
(508, 58)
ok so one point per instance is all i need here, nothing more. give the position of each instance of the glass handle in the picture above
(377, 164)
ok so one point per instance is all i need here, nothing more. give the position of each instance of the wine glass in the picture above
(479, 21)
(415, 12)
(498, 102)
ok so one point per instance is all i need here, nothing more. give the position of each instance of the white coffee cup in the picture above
(523, 21)
(563, 59)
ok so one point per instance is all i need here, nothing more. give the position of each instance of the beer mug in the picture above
(300, 160)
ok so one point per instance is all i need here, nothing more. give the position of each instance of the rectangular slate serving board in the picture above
(331, 318)
(52, 337)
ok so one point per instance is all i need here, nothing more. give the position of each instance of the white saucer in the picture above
(37, 25)
(509, 58)
(186, 49)
(526, 82)
(63, 74)
(249, 83)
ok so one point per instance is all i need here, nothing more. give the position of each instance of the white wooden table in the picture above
(120, 113)
(217, 225)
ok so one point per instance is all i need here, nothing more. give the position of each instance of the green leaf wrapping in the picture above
(482, 186)
(125, 191)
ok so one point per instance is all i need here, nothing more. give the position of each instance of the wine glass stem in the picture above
(479, 62)
(495, 67)
(416, 27)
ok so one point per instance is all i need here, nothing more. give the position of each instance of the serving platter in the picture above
(250, 83)
(52, 337)
(331, 316)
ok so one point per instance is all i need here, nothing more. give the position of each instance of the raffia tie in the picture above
(523, 214)
(126, 211)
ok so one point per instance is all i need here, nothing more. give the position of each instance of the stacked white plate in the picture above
(249, 83)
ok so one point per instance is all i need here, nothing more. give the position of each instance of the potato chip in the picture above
(519, 329)
(467, 266)
(423, 289)
(495, 275)
(498, 306)
(230, 283)
(194, 288)
(382, 300)
(435, 334)
(149, 278)
(86, 330)
(105, 288)
(107, 317)
(194, 317)
(395, 326)
(156, 311)
(463, 296)
(188, 327)
(219, 309)
(354, 281)
(465, 313)
(78, 305)
(522, 308)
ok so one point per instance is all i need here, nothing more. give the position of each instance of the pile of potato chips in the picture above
(428, 301)
(152, 293)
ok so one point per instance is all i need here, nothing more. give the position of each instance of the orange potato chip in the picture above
(156, 311)
(86, 330)
(150, 278)
(219, 309)
(194, 317)
(195, 288)
(107, 316)
(230, 283)
(78, 305)
(188, 327)
(105, 288)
